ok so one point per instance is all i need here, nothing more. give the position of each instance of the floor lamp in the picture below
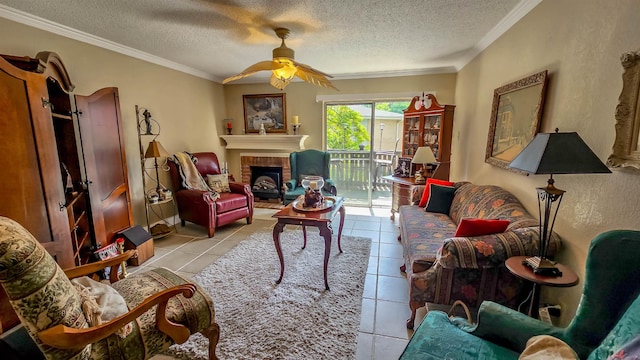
(155, 150)
(554, 153)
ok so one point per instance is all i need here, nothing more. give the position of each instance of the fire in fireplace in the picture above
(266, 182)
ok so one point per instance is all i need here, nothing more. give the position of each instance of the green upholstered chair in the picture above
(163, 307)
(607, 317)
(304, 163)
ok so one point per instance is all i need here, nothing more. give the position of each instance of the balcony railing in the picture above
(350, 169)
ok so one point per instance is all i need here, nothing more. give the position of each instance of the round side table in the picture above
(517, 267)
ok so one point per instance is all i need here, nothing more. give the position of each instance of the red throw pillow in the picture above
(478, 227)
(425, 193)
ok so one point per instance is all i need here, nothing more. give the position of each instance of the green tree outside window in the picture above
(344, 129)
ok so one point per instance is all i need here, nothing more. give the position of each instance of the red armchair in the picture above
(199, 208)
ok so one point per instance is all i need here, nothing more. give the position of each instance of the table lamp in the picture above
(424, 155)
(554, 153)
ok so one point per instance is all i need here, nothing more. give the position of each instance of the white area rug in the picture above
(296, 319)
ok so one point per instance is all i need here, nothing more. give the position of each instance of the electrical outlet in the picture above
(544, 315)
(554, 310)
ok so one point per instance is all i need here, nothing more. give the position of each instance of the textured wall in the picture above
(580, 45)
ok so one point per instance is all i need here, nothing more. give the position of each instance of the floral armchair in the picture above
(163, 308)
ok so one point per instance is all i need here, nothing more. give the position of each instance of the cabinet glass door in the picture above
(411, 137)
(431, 133)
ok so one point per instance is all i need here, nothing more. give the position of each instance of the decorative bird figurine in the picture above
(284, 68)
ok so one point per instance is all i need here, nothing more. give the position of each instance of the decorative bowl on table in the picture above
(313, 182)
(326, 204)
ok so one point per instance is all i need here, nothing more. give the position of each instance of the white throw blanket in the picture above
(101, 303)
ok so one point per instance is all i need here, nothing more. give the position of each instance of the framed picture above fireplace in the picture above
(265, 109)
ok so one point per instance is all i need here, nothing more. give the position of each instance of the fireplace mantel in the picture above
(265, 142)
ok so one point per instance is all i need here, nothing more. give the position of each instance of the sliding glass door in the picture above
(363, 139)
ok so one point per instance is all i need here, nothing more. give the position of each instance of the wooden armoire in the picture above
(64, 173)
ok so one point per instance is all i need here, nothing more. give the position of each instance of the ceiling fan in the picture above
(284, 68)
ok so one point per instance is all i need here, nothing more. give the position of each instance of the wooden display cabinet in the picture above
(64, 170)
(427, 123)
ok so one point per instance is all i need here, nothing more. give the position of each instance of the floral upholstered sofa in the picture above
(442, 268)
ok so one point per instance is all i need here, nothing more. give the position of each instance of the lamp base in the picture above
(419, 177)
(544, 267)
(160, 230)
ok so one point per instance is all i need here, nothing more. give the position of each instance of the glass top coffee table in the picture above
(295, 214)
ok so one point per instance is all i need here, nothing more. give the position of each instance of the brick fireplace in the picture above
(276, 160)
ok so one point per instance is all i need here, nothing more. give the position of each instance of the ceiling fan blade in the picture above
(261, 66)
(314, 77)
(309, 69)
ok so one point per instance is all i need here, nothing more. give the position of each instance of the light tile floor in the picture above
(383, 334)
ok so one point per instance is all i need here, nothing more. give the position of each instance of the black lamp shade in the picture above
(558, 153)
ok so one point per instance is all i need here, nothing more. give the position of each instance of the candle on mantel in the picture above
(295, 120)
(229, 125)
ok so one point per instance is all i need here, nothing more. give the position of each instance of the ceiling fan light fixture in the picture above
(284, 68)
(287, 71)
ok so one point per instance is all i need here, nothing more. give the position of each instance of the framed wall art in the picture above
(267, 110)
(515, 118)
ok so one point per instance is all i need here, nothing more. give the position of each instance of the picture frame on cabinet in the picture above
(404, 167)
(516, 112)
(266, 110)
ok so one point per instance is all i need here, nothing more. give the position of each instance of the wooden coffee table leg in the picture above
(325, 232)
(342, 212)
(277, 229)
(304, 234)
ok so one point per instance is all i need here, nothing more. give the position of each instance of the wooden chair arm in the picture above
(91, 268)
(64, 337)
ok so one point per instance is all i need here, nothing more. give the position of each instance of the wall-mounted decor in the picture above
(515, 118)
(626, 152)
(267, 110)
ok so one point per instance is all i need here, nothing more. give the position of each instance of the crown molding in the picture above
(522, 9)
(62, 30)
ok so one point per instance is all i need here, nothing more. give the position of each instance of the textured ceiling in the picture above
(215, 39)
